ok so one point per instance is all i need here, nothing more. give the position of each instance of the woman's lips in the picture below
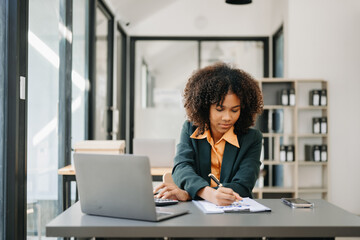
(225, 125)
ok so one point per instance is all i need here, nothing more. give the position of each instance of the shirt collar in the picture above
(229, 136)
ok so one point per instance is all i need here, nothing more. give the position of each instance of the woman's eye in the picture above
(219, 109)
(235, 111)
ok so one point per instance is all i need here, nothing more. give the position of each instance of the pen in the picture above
(215, 179)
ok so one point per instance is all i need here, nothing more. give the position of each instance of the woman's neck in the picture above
(216, 136)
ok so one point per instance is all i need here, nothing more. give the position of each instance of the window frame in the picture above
(275, 37)
(122, 84)
(14, 125)
(93, 5)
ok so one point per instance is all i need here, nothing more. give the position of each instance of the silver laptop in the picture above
(118, 186)
(161, 152)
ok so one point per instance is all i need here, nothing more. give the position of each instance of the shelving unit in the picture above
(300, 177)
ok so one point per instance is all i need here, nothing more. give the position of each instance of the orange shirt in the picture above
(217, 149)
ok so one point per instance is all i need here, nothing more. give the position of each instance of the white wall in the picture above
(324, 42)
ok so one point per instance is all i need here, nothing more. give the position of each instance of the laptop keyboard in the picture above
(164, 202)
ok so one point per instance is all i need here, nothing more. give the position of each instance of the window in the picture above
(45, 31)
(79, 73)
(43, 97)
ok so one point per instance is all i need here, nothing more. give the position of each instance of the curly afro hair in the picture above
(211, 84)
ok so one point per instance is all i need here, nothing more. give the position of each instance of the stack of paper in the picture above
(245, 205)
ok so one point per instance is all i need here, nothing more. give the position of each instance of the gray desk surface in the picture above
(324, 220)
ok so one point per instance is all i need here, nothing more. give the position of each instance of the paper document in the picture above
(245, 205)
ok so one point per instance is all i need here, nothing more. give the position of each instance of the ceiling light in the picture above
(238, 2)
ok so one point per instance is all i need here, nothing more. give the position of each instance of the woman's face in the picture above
(223, 117)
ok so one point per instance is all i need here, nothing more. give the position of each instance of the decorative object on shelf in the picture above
(312, 153)
(290, 153)
(323, 98)
(316, 153)
(278, 121)
(287, 97)
(292, 100)
(323, 156)
(271, 121)
(287, 153)
(316, 125)
(320, 125)
(318, 97)
(284, 97)
(282, 153)
(314, 99)
(323, 128)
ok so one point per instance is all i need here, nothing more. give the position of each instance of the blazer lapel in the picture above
(228, 161)
(205, 158)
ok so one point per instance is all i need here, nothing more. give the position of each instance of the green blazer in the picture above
(240, 166)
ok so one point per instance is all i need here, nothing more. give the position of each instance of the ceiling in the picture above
(193, 17)
(135, 11)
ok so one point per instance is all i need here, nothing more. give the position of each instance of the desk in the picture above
(324, 220)
(68, 176)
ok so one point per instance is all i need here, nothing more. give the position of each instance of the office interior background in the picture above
(115, 69)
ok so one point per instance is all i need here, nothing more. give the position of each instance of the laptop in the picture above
(118, 186)
(161, 152)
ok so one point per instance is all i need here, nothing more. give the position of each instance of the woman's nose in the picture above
(226, 116)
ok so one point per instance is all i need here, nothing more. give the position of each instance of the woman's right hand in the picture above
(171, 191)
(222, 196)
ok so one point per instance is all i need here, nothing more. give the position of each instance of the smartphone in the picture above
(297, 203)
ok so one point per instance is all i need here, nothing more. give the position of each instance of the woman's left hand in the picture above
(171, 191)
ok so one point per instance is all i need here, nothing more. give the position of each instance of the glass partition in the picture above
(79, 73)
(103, 74)
(246, 55)
(162, 70)
(43, 97)
(43, 100)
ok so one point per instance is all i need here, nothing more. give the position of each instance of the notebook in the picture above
(244, 205)
(118, 186)
(161, 152)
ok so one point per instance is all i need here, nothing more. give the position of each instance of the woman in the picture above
(221, 104)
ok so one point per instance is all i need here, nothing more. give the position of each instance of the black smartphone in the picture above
(297, 203)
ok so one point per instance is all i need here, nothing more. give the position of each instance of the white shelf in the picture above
(312, 108)
(312, 190)
(298, 125)
(278, 135)
(277, 162)
(274, 190)
(312, 135)
(312, 163)
(278, 107)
